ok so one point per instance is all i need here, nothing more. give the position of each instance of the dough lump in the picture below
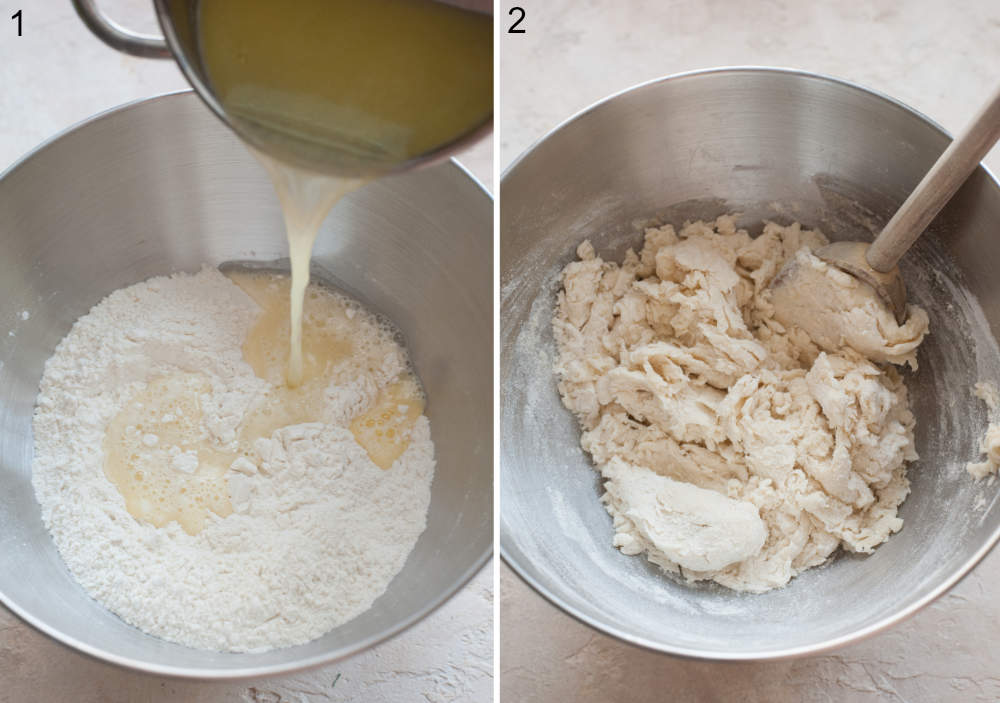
(734, 448)
(838, 310)
(677, 522)
(990, 442)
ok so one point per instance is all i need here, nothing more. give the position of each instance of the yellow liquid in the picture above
(306, 199)
(163, 461)
(383, 431)
(370, 82)
(326, 341)
(326, 333)
(158, 455)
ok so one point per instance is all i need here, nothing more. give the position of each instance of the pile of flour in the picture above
(318, 531)
(734, 447)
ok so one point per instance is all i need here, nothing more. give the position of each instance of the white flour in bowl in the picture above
(315, 530)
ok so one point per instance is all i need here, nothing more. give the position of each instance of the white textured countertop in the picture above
(57, 74)
(940, 59)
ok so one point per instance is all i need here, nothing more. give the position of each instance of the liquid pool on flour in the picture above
(172, 390)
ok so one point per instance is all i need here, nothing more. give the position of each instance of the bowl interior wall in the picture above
(776, 146)
(161, 186)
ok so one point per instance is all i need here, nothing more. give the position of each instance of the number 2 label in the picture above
(519, 13)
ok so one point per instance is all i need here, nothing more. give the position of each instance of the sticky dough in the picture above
(990, 442)
(734, 447)
(838, 310)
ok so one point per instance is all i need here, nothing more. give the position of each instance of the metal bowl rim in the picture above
(701, 654)
(249, 671)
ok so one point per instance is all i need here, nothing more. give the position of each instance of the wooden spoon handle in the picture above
(946, 175)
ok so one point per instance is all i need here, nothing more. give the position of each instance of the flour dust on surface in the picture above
(202, 499)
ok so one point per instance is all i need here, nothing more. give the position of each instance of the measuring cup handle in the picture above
(116, 36)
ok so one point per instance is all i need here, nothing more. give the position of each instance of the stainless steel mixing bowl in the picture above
(772, 144)
(161, 186)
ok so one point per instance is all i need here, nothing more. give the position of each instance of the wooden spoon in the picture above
(876, 263)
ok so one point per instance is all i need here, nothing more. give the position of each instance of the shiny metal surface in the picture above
(160, 186)
(178, 21)
(771, 144)
(118, 37)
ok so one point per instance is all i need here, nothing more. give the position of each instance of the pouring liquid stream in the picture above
(359, 88)
(368, 86)
(306, 199)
